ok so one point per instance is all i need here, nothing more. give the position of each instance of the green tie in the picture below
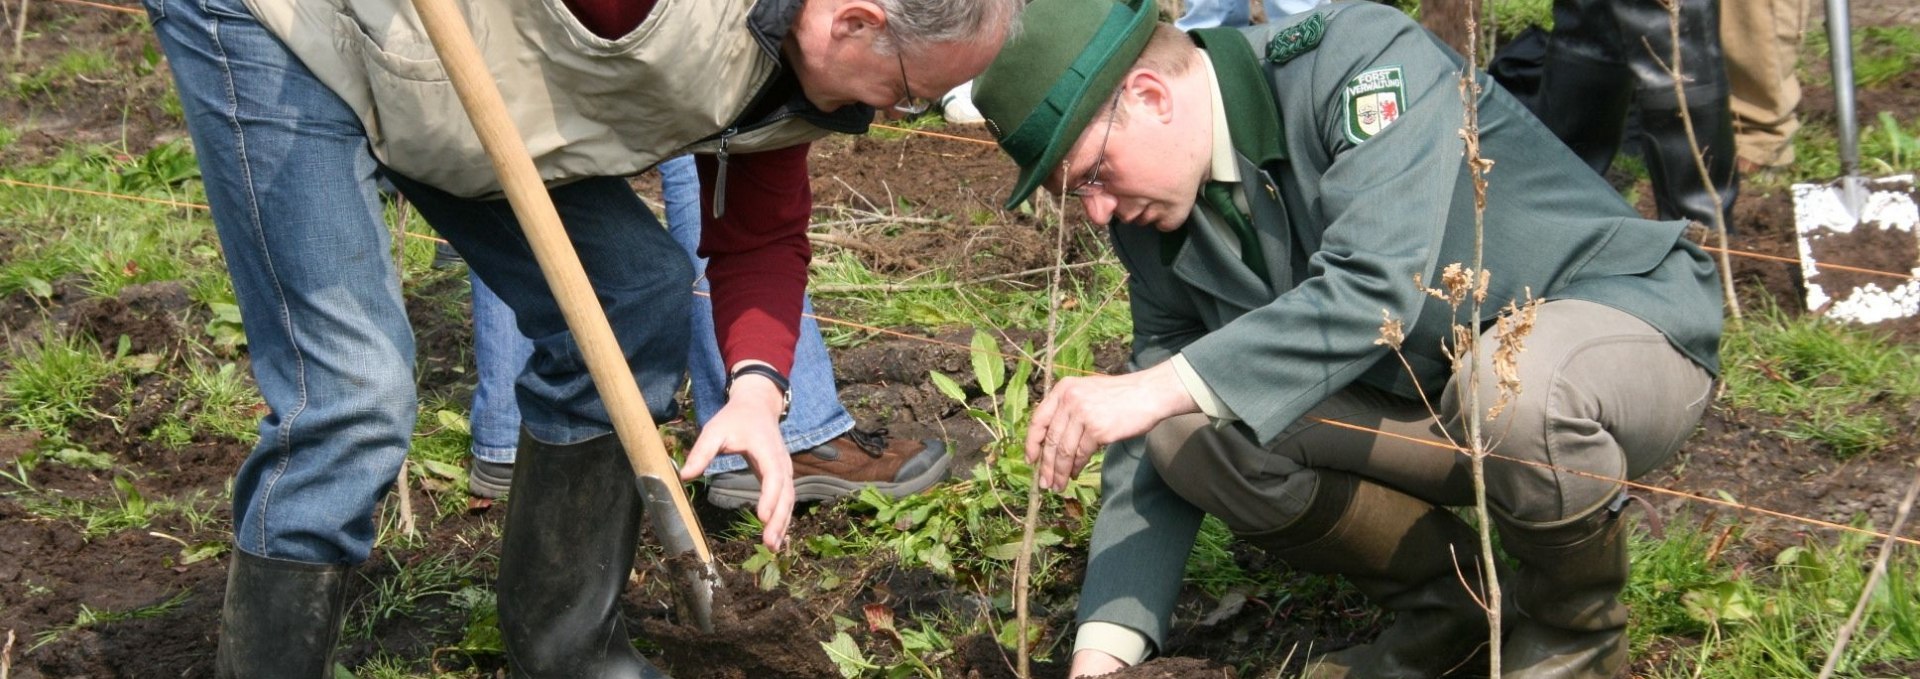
(1220, 196)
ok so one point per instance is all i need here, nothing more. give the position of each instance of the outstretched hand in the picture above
(749, 425)
(1081, 414)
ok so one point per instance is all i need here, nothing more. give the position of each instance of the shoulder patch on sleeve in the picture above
(1374, 100)
(1296, 40)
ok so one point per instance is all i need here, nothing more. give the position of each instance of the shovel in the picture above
(1874, 219)
(666, 502)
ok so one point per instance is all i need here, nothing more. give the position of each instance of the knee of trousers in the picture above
(1221, 471)
(1548, 462)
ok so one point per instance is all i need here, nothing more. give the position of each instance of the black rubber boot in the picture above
(1569, 621)
(280, 619)
(1585, 86)
(572, 523)
(1406, 555)
(1678, 189)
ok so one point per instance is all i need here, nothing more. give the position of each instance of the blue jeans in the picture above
(816, 415)
(499, 352)
(1213, 13)
(291, 182)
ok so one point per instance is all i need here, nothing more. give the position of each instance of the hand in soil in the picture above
(749, 425)
(1083, 413)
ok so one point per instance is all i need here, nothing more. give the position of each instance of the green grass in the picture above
(50, 383)
(126, 509)
(228, 401)
(1513, 15)
(1838, 385)
(1881, 53)
(64, 70)
(1777, 621)
(435, 579)
(932, 301)
(1888, 145)
(89, 617)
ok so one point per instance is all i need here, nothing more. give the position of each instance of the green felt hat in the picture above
(1051, 78)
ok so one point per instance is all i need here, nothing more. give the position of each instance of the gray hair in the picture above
(919, 23)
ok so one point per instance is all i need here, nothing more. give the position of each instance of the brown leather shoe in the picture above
(842, 466)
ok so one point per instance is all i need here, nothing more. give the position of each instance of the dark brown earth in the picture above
(902, 206)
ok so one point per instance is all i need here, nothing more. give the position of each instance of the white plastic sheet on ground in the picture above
(1819, 212)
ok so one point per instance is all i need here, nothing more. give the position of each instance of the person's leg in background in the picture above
(833, 458)
(1585, 84)
(290, 180)
(499, 353)
(1761, 39)
(1679, 190)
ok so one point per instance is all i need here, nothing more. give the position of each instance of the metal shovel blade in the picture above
(694, 575)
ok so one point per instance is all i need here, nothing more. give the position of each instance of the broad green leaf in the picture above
(846, 655)
(135, 503)
(453, 420)
(202, 552)
(1006, 551)
(947, 386)
(441, 469)
(988, 366)
(939, 559)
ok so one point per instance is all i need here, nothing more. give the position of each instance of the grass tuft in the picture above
(1839, 385)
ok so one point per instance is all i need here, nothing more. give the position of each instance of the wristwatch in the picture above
(767, 371)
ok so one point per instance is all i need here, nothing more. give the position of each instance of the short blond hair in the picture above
(1169, 52)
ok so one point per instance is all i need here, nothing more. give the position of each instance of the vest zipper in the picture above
(720, 176)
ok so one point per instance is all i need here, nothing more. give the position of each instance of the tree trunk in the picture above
(1448, 20)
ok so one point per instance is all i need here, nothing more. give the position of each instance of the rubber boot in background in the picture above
(280, 618)
(1585, 87)
(1678, 189)
(1407, 556)
(1569, 622)
(572, 523)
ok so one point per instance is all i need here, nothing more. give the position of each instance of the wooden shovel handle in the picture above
(558, 261)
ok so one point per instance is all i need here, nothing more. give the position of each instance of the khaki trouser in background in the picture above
(1603, 393)
(1761, 40)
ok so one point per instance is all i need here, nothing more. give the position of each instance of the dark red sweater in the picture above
(758, 254)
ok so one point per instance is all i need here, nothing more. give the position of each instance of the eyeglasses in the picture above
(908, 104)
(1092, 181)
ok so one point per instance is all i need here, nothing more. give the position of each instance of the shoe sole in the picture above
(823, 488)
(486, 487)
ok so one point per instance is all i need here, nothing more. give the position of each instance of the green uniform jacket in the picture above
(1345, 221)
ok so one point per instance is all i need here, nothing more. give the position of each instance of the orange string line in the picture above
(197, 206)
(937, 135)
(1630, 484)
(102, 194)
(1426, 442)
(105, 6)
(1790, 260)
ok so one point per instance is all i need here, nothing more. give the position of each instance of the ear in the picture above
(1149, 93)
(858, 19)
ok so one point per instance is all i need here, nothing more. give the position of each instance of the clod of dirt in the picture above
(756, 635)
(1176, 668)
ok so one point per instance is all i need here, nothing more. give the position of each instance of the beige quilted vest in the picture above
(586, 106)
